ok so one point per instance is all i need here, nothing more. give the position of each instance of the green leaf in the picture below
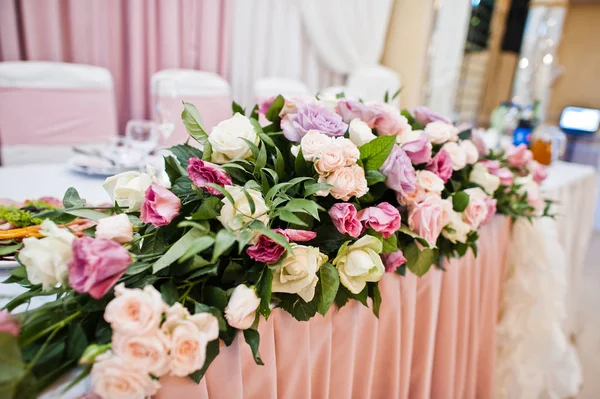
(208, 210)
(237, 108)
(257, 225)
(329, 282)
(253, 147)
(193, 123)
(252, 338)
(177, 250)
(374, 153)
(10, 249)
(263, 290)
(405, 230)
(223, 241)
(207, 152)
(12, 368)
(279, 163)
(76, 341)
(87, 214)
(184, 152)
(283, 187)
(287, 216)
(390, 244)
(199, 245)
(267, 139)
(297, 307)
(361, 296)
(212, 351)
(215, 296)
(169, 292)
(314, 188)
(460, 201)
(419, 262)
(173, 168)
(386, 97)
(72, 199)
(223, 191)
(305, 206)
(465, 134)
(275, 108)
(397, 93)
(233, 274)
(376, 295)
(202, 308)
(374, 176)
(261, 160)
(301, 166)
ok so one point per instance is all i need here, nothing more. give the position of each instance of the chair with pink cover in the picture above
(48, 107)
(209, 92)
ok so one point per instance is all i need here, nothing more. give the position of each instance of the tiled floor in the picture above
(588, 334)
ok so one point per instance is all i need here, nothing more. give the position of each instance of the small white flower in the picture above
(241, 309)
(226, 139)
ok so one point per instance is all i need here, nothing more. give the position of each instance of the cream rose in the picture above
(360, 132)
(114, 378)
(481, 176)
(457, 155)
(430, 182)
(147, 352)
(347, 182)
(297, 274)
(407, 136)
(129, 188)
(313, 143)
(471, 152)
(134, 311)
(456, 230)
(349, 150)
(46, 259)
(439, 132)
(477, 210)
(360, 263)
(226, 139)
(330, 159)
(235, 216)
(117, 228)
(241, 309)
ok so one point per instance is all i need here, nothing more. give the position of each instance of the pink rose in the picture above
(393, 261)
(424, 115)
(344, 218)
(389, 121)
(482, 148)
(112, 377)
(419, 151)
(383, 218)
(297, 235)
(491, 207)
(202, 172)
(476, 212)
(441, 165)
(427, 218)
(264, 105)
(268, 251)
(538, 171)
(145, 352)
(117, 228)
(400, 173)
(519, 156)
(505, 175)
(8, 324)
(352, 109)
(160, 207)
(96, 266)
(492, 166)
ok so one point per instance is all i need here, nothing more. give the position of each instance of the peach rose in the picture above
(477, 210)
(330, 159)
(135, 311)
(114, 378)
(313, 143)
(145, 352)
(349, 149)
(430, 182)
(347, 182)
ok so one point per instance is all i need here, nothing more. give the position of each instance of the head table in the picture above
(435, 336)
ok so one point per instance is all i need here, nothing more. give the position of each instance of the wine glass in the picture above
(143, 138)
(166, 102)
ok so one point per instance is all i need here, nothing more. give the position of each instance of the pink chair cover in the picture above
(212, 109)
(435, 337)
(56, 116)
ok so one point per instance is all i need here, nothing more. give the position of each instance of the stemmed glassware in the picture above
(166, 104)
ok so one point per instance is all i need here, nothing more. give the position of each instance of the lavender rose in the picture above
(419, 150)
(400, 173)
(312, 117)
(424, 115)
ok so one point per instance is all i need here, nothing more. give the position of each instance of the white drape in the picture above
(269, 40)
(347, 34)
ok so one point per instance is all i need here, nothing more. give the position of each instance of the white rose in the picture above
(534, 196)
(429, 181)
(328, 100)
(128, 189)
(113, 378)
(297, 274)
(147, 352)
(313, 143)
(241, 309)
(117, 228)
(456, 230)
(360, 132)
(134, 311)
(235, 216)
(439, 132)
(457, 155)
(407, 136)
(481, 176)
(46, 259)
(470, 151)
(226, 139)
(295, 149)
(359, 263)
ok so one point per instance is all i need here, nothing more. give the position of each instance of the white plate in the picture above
(8, 264)
(94, 166)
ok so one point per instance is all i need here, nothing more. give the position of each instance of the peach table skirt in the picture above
(435, 337)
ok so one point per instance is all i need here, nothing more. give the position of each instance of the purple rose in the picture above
(312, 117)
(424, 115)
(96, 266)
(385, 118)
(400, 173)
(160, 206)
(441, 165)
(383, 218)
(344, 218)
(419, 150)
(202, 172)
(351, 109)
(393, 261)
(268, 251)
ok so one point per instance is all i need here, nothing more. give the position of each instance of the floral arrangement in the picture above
(297, 204)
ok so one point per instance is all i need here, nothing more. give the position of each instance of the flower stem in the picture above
(53, 328)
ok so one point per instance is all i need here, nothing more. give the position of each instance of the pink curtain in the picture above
(132, 38)
(435, 338)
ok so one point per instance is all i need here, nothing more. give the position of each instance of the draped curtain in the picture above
(132, 38)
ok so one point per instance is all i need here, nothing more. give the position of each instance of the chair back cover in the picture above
(53, 104)
(372, 83)
(337, 90)
(266, 88)
(209, 92)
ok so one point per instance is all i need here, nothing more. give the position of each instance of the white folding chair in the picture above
(209, 92)
(47, 107)
(373, 82)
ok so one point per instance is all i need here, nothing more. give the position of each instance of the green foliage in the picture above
(193, 123)
(374, 153)
(419, 261)
(275, 108)
(460, 201)
(329, 282)
(18, 217)
(253, 340)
